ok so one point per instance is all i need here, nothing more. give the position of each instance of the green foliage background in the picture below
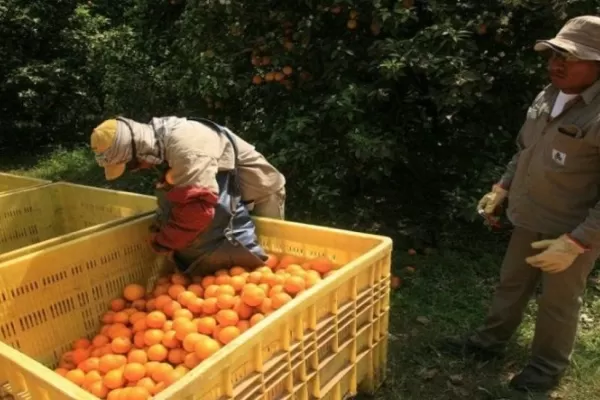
(403, 121)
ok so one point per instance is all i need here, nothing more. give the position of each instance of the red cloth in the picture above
(193, 209)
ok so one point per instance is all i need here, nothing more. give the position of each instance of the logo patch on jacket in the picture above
(559, 157)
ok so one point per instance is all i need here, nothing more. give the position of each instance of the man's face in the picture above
(570, 74)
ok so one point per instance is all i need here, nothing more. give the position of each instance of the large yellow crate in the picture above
(328, 343)
(10, 183)
(35, 218)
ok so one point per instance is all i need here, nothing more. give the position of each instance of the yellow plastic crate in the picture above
(33, 219)
(328, 343)
(10, 183)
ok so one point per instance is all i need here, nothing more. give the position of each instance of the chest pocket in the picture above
(571, 157)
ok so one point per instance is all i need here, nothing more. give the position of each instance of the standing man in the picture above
(553, 187)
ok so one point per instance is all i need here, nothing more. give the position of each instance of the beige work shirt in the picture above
(195, 153)
(554, 178)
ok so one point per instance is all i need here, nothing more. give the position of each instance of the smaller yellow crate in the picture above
(328, 343)
(10, 183)
(36, 218)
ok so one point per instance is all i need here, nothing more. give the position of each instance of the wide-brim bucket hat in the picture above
(580, 37)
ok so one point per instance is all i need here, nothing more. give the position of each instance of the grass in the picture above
(448, 293)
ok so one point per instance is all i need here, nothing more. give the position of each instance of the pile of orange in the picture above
(149, 340)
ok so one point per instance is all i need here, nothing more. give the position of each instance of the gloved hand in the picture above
(558, 254)
(491, 200)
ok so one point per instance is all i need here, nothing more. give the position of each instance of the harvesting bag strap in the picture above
(234, 186)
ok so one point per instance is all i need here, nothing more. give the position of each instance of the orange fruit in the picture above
(210, 306)
(243, 325)
(180, 279)
(206, 325)
(237, 283)
(117, 305)
(160, 289)
(136, 393)
(183, 327)
(61, 371)
(134, 292)
(140, 325)
(82, 343)
(191, 360)
(115, 394)
(157, 352)
(186, 297)
(91, 377)
(121, 345)
(195, 306)
(208, 281)
(278, 300)
(114, 379)
(147, 383)
(287, 70)
(235, 271)
(254, 277)
(197, 289)
(272, 261)
(252, 295)
(161, 372)
(227, 318)
(109, 362)
(225, 301)
(137, 316)
(321, 264)
(276, 289)
(288, 260)
(206, 348)
(176, 356)
(139, 305)
(175, 290)
(153, 336)
(222, 279)
(183, 313)
(79, 355)
(352, 24)
(162, 300)
(151, 366)
(256, 80)
(139, 340)
(294, 285)
(151, 305)
(266, 307)
(270, 76)
(170, 340)
(229, 333)
(156, 319)
(98, 389)
(170, 308)
(100, 340)
(211, 291)
(133, 372)
(76, 376)
(189, 343)
(243, 310)
(256, 318)
(137, 356)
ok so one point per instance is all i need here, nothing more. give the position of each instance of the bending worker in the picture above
(553, 187)
(196, 154)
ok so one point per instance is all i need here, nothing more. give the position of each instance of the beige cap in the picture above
(580, 37)
(102, 138)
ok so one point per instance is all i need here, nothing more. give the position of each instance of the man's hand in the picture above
(488, 203)
(558, 255)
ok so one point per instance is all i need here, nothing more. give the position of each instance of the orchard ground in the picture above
(448, 292)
